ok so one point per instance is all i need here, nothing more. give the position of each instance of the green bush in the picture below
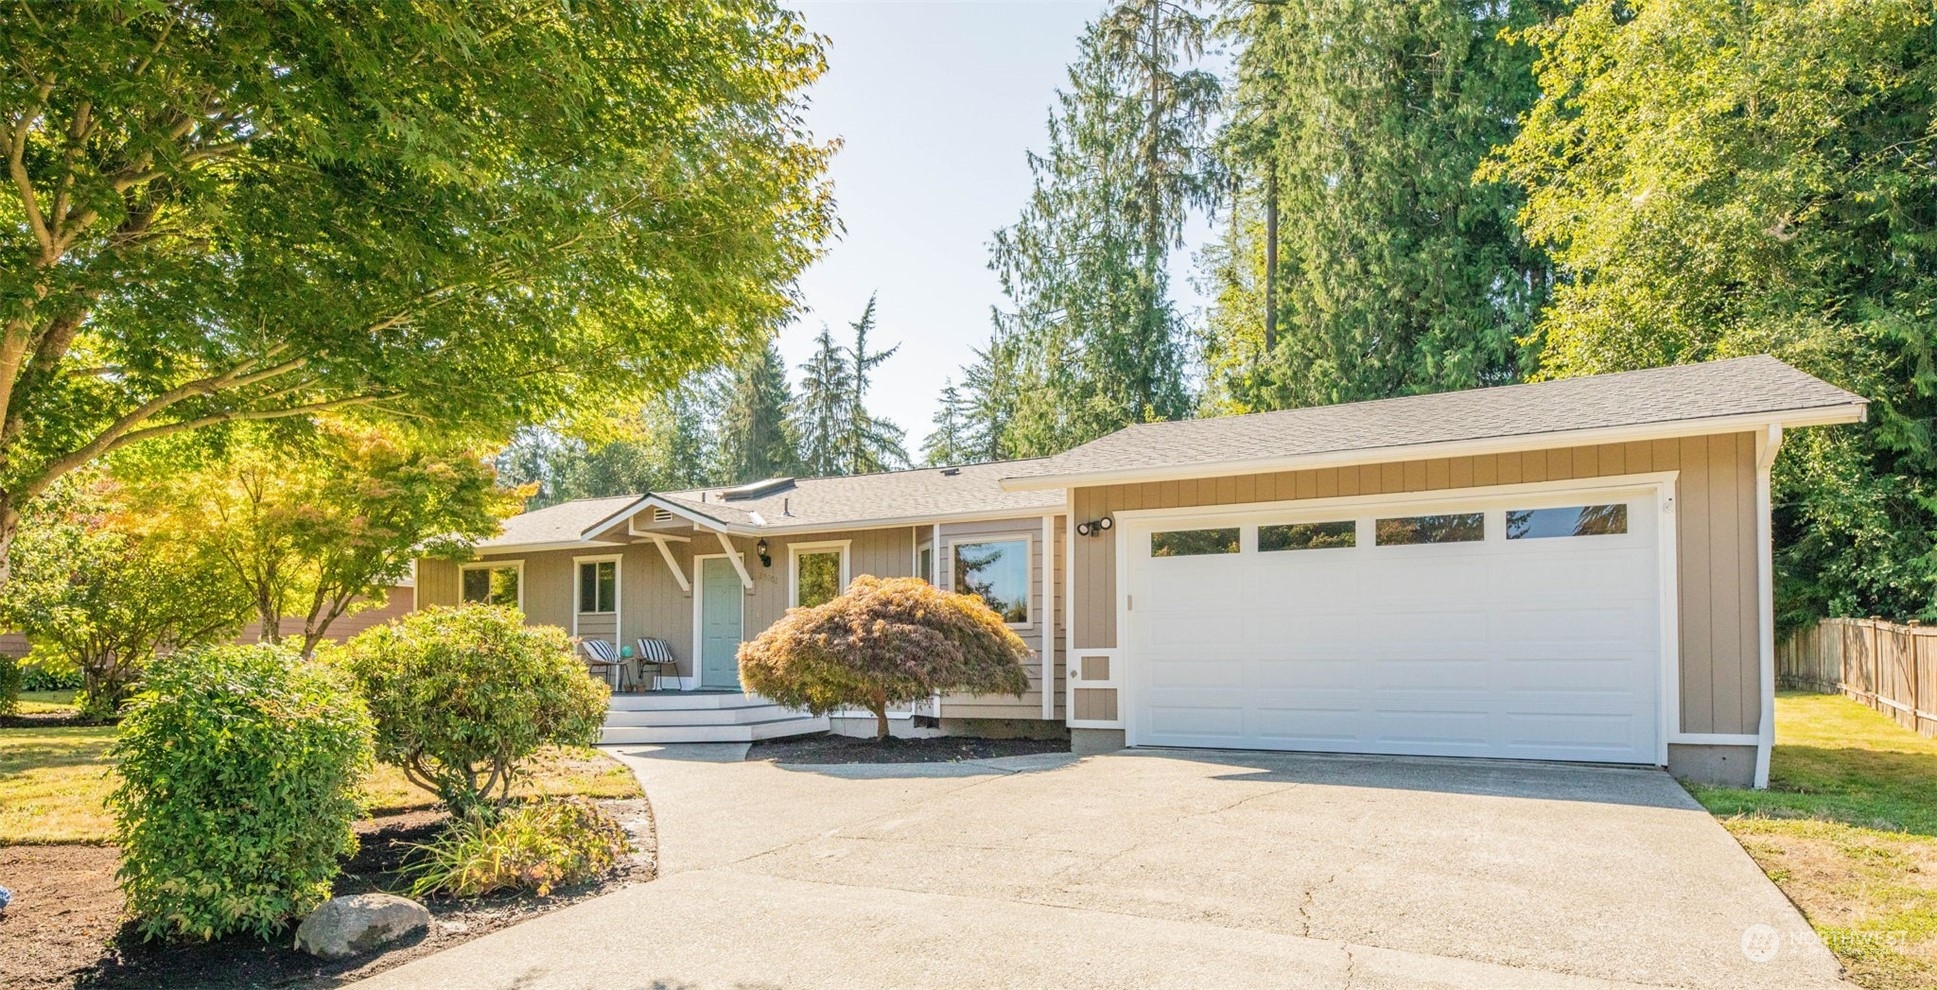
(11, 676)
(38, 676)
(884, 641)
(460, 695)
(239, 769)
(536, 847)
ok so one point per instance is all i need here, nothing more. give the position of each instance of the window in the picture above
(996, 571)
(1308, 536)
(1194, 542)
(598, 586)
(1458, 527)
(820, 573)
(493, 584)
(1575, 520)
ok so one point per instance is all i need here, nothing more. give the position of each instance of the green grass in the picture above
(42, 702)
(1848, 829)
(54, 784)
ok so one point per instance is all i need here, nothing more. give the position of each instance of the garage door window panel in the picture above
(1194, 542)
(1568, 521)
(1308, 536)
(1451, 527)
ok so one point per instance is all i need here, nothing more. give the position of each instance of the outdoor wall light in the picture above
(761, 549)
(1094, 526)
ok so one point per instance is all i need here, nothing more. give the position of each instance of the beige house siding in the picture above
(1715, 536)
(1030, 704)
(397, 602)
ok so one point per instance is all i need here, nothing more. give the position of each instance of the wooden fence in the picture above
(1890, 667)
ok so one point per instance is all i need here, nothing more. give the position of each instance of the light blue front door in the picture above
(720, 616)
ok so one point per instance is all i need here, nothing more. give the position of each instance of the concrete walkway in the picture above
(1162, 869)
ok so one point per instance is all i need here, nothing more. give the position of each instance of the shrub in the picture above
(239, 769)
(884, 641)
(38, 676)
(11, 676)
(460, 695)
(537, 846)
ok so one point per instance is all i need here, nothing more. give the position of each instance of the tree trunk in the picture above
(9, 524)
(879, 706)
(1271, 258)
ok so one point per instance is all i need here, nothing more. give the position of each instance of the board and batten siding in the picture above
(1715, 522)
(1029, 706)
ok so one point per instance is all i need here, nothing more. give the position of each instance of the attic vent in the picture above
(660, 515)
(756, 489)
(950, 472)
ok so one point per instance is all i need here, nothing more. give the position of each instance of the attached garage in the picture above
(1571, 570)
(1525, 625)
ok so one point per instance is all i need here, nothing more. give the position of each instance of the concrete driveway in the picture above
(1163, 869)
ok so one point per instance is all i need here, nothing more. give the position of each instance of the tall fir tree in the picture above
(756, 440)
(948, 443)
(1099, 341)
(836, 432)
(1362, 259)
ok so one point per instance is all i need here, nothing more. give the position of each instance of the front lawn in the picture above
(1848, 829)
(46, 702)
(54, 783)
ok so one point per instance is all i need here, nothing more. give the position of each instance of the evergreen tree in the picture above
(1084, 267)
(755, 439)
(668, 446)
(1362, 259)
(837, 433)
(948, 442)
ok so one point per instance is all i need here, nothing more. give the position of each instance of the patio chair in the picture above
(659, 654)
(603, 658)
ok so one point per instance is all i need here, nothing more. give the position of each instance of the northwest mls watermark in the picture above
(1762, 943)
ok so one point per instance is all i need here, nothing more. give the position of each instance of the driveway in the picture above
(1162, 869)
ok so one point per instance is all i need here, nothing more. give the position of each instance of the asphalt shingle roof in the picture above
(1735, 387)
(812, 503)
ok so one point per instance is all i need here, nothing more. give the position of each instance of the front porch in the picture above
(700, 716)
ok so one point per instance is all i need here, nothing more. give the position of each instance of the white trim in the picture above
(1816, 416)
(1661, 485)
(1714, 739)
(794, 550)
(1767, 444)
(578, 592)
(699, 617)
(517, 564)
(1048, 637)
(666, 554)
(484, 552)
(1028, 541)
(1069, 599)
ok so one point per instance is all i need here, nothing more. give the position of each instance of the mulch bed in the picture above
(831, 748)
(46, 720)
(65, 929)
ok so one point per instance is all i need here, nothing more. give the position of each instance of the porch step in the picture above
(701, 716)
(679, 701)
(792, 724)
(744, 714)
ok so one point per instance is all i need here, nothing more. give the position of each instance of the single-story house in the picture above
(1569, 570)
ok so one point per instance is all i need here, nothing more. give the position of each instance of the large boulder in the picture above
(349, 926)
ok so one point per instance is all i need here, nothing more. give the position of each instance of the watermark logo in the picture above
(1760, 943)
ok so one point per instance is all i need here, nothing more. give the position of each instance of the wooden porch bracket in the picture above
(672, 565)
(733, 557)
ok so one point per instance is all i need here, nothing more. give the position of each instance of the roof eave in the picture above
(1846, 412)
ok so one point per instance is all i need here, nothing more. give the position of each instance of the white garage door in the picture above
(1509, 627)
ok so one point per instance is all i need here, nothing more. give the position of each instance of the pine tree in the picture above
(756, 440)
(1098, 339)
(869, 444)
(1362, 258)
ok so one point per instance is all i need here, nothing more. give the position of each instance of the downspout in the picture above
(1767, 443)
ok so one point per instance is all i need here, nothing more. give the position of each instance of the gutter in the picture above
(1852, 412)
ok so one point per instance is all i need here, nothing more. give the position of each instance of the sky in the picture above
(935, 104)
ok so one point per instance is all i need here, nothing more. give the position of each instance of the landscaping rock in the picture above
(349, 926)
